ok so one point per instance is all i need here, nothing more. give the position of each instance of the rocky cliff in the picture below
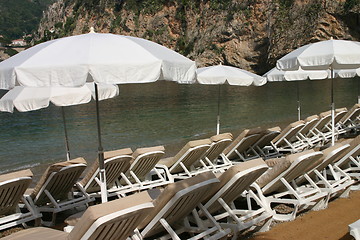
(250, 34)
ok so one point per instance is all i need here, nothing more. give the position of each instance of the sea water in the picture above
(161, 113)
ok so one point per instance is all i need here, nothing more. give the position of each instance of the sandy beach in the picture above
(330, 223)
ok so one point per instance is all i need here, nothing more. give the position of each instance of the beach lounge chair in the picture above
(114, 220)
(262, 146)
(285, 141)
(323, 173)
(240, 147)
(214, 158)
(54, 191)
(349, 161)
(309, 123)
(116, 162)
(142, 173)
(351, 119)
(12, 188)
(275, 186)
(235, 185)
(174, 204)
(184, 163)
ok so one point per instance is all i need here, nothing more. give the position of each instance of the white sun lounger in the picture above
(234, 185)
(184, 163)
(240, 146)
(351, 119)
(174, 204)
(274, 186)
(116, 162)
(214, 158)
(12, 188)
(142, 173)
(262, 147)
(114, 220)
(54, 192)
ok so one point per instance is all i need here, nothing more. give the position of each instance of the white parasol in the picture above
(221, 74)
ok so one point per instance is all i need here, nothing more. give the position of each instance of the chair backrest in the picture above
(177, 201)
(58, 180)
(243, 142)
(145, 159)
(290, 168)
(288, 133)
(114, 220)
(233, 182)
(219, 143)
(324, 118)
(340, 113)
(352, 151)
(310, 122)
(116, 162)
(12, 188)
(269, 135)
(332, 155)
(351, 115)
(192, 152)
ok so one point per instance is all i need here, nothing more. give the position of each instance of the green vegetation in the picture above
(10, 51)
(20, 17)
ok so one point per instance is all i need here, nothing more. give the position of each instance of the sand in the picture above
(330, 223)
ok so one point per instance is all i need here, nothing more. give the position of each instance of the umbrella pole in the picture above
(218, 114)
(358, 89)
(100, 151)
(66, 135)
(298, 101)
(332, 109)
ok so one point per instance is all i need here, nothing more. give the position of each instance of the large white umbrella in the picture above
(324, 55)
(99, 57)
(26, 99)
(276, 75)
(222, 74)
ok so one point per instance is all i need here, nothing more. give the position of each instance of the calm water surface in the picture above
(161, 113)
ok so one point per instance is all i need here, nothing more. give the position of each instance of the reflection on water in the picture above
(162, 113)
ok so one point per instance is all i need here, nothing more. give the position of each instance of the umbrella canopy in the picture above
(100, 57)
(324, 55)
(26, 99)
(276, 75)
(221, 74)
(334, 54)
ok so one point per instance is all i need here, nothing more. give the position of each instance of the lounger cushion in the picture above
(37, 233)
(170, 191)
(13, 175)
(242, 135)
(273, 129)
(354, 143)
(273, 161)
(56, 167)
(11, 192)
(220, 137)
(191, 144)
(350, 113)
(311, 118)
(286, 130)
(225, 177)
(279, 165)
(141, 151)
(97, 211)
(325, 114)
(95, 166)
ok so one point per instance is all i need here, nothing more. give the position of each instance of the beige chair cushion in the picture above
(37, 233)
(279, 166)
(56, 167)
(169, 192)
(285, 131)
(219, 137)
(95, 166)
(97, 211)
(141, 151)
(17, 174)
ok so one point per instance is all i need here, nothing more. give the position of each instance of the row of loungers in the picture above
(199, 192)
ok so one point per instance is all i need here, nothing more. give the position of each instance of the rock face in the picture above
(250, 34)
